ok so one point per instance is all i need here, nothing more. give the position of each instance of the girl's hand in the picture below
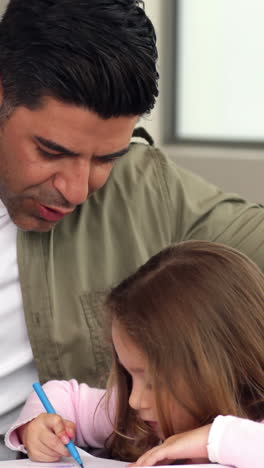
(191, 446)
(45, 437)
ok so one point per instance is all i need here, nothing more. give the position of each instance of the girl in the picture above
(188, 368)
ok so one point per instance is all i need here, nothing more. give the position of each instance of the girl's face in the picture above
(142, 398)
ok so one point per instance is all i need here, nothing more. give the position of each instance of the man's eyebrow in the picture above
(56, 147)
(118, 154)
(61, 149)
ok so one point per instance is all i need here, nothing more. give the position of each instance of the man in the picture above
(75, 78)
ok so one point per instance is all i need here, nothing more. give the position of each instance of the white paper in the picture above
(89, 461)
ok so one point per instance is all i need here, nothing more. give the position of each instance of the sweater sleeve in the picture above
(79, 403)
(237, 442)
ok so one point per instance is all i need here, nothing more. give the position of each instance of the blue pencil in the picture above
(49, 408)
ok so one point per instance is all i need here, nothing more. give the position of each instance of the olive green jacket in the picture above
(147, 204)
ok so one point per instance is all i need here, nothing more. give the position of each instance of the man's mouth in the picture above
(52, 214)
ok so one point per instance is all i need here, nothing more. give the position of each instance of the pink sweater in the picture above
(232, 441)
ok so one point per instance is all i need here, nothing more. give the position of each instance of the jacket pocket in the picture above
(100, 344)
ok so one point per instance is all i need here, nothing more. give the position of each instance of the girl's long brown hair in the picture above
(196, 310)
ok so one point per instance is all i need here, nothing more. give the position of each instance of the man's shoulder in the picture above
(144, 167)
(140, 157)
(140, 171)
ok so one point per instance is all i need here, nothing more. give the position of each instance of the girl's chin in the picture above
(155, 428)
(153, 425)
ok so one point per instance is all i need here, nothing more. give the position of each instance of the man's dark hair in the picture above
(97, 54)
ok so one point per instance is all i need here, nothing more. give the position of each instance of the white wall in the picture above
(153, 122)
(235, 169)
(220, 72)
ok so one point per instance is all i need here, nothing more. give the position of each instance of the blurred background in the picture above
(210, 113)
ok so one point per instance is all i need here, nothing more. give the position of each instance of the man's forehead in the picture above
(72, 128)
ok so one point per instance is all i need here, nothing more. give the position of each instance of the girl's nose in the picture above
(138, 400)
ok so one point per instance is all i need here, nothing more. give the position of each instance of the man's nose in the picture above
(72, 181)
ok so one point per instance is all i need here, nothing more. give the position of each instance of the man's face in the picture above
(53, 158)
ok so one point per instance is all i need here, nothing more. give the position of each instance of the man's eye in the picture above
(105, 160)
(48, 154)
